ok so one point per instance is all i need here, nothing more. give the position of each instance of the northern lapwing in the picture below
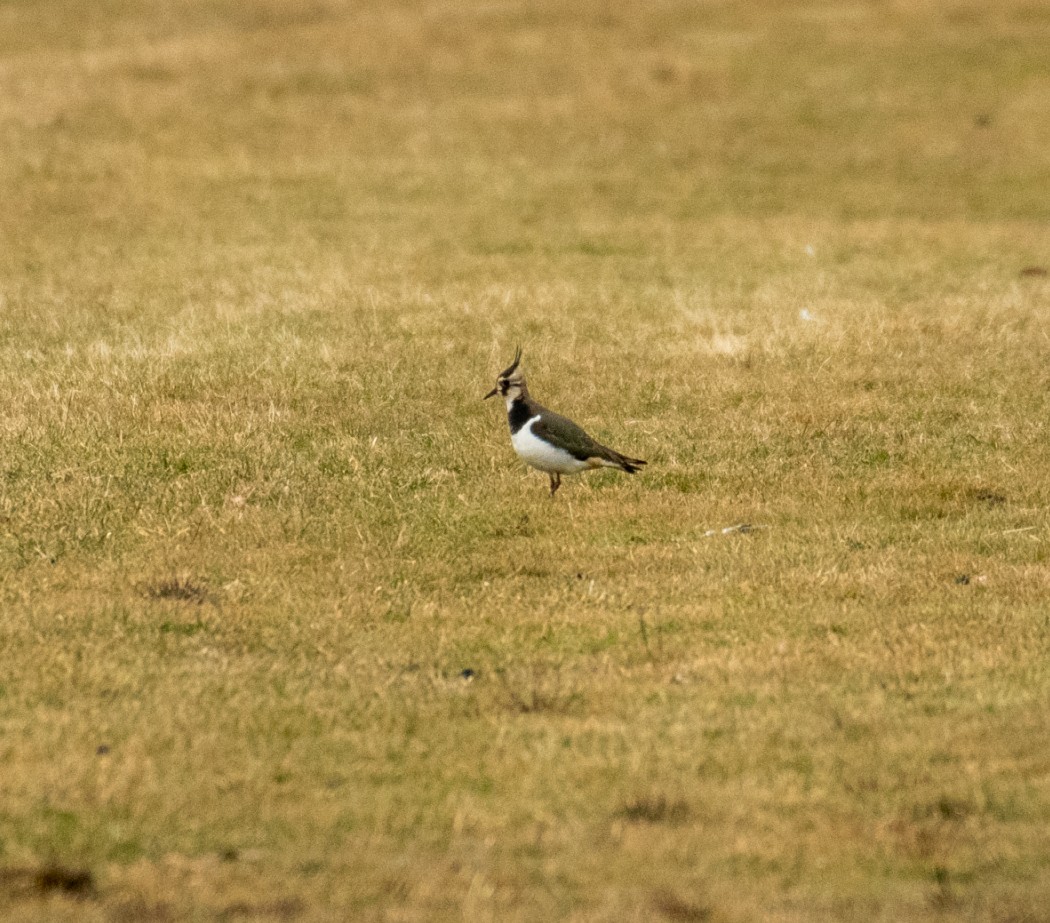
(548, 441)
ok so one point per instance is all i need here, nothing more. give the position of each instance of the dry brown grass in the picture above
(288, 633)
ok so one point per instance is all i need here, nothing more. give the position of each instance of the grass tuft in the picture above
(656, 809)
(538, 689)
(52, 878)
(672, 907)
(180, 588)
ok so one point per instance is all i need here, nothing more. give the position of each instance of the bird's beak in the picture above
(491, 393)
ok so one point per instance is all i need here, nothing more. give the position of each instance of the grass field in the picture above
(289, 633)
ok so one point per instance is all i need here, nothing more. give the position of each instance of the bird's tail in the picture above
(616, 460)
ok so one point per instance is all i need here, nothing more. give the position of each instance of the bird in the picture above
(548, 441)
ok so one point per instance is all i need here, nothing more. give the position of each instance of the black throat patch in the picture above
(518, 415)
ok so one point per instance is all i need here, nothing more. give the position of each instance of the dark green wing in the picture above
(563, 432)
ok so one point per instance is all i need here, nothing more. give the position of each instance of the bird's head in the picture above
(511, 383)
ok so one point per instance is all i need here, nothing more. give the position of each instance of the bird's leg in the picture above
(555, 483)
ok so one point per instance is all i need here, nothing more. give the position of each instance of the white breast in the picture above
(534, 451)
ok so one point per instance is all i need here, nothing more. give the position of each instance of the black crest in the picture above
(509, 370)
